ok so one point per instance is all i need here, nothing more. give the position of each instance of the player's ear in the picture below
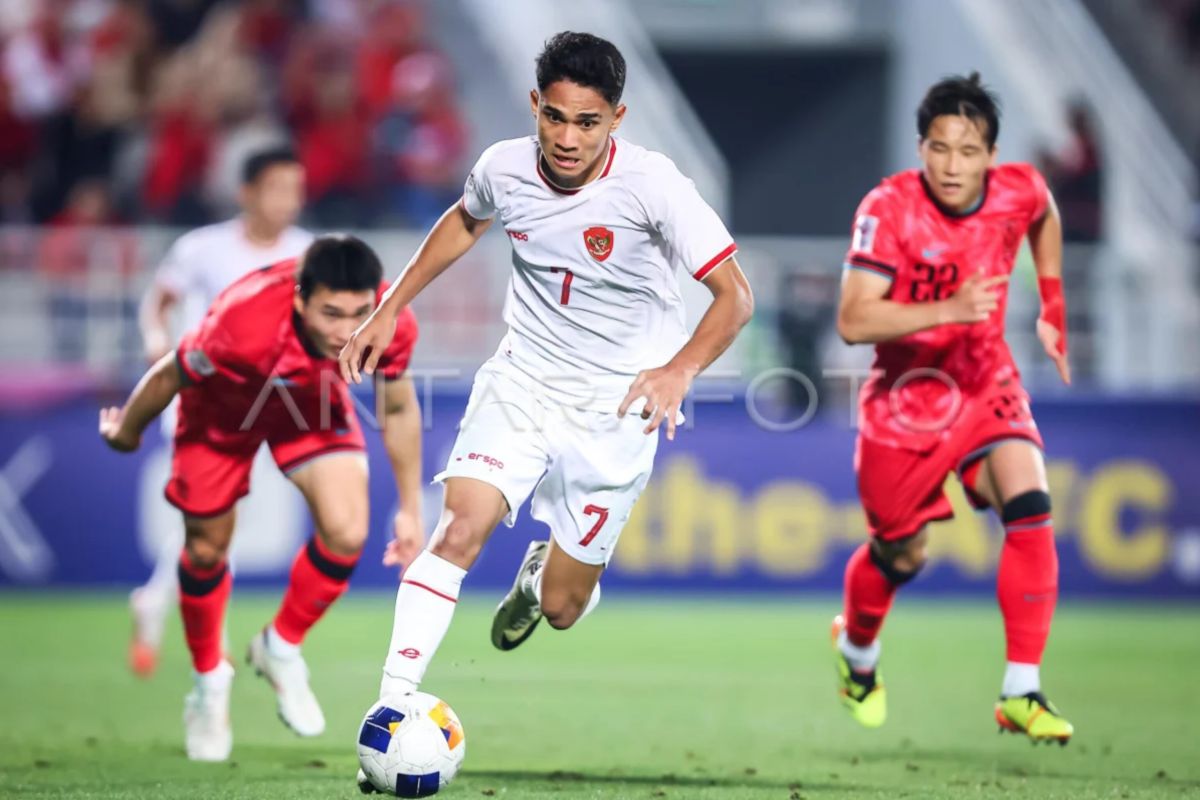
(533, 102)
(298, 301)
(618, 115)
(992, 155)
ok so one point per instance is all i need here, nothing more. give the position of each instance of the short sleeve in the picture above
(1038, 199)
(205, 350)
(874, 238)
(394, 362)
(478, 198)
(691, 228)
(178, 272)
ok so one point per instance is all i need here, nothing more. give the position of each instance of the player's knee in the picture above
(345, 535)
(204, 553)
(900, 560)
(459, 541)
(563, 609)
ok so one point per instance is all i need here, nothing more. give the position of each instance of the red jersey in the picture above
(250, 367)
(903, 234)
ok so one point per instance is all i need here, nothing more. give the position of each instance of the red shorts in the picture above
(901, 490)
(208, 478)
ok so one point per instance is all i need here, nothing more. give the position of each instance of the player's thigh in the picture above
(335, 488)
(501, 442)
(1011, 469)
(901, 490)
(598, 469)
(207, 539)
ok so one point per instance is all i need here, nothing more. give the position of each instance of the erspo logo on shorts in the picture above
(489, 460)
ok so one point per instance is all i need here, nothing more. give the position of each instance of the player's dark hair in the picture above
(339, 262)
(961, 96)
(583, 59)
(259, 162)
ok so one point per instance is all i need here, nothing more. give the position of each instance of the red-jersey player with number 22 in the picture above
(925, 281)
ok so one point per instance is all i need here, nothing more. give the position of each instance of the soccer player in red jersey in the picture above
(925, 281)
(259, 368)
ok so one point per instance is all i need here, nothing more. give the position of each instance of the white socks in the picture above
(278, 647)
(1020, 679)
(425, 605)
(861, 659)
(532, 587)
(219, 677)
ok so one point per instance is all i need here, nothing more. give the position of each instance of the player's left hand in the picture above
(112, 430)
(664, 389)
(1052, 342)
(408, 542)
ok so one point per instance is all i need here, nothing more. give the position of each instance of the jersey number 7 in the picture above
(565, 297)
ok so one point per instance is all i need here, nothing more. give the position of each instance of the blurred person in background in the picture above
(803, 324)
(195, 270)
(1076, 177)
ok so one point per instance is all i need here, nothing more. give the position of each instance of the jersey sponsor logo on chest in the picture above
(599, 242)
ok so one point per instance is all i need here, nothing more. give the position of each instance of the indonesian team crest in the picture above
(599, 242)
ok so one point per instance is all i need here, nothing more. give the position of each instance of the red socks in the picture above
(868, 597)
(1027, 584)
(318, 578)
(203, 595)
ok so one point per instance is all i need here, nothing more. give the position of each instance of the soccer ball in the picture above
(411, 746)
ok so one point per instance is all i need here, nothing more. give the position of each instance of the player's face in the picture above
(329, 317)
(277, 197)
(573, 126)
(956, 158)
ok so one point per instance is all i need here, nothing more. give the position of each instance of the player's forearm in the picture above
(152, 394)
(402, 441)
(725, 317)
(451, 237)
(1046, 243)
(877, 320)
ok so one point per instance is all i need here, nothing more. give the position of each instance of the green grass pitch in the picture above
(646, 699)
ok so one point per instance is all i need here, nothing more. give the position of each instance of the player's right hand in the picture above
(362, 353)
(112, 430)
(975, 299)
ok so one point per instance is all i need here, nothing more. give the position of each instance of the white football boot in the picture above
(298, 706)
(207, 733)
(518, 614)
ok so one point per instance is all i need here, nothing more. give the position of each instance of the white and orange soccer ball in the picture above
(411, 746)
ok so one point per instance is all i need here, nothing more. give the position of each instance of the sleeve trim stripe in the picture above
(188, 378)
(870, 263)
(891, 276)
(716, 260)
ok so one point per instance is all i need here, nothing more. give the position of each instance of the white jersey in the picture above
(593, 298)
(203, 262)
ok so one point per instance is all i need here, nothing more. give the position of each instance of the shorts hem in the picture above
(201, 514)
(296, 463)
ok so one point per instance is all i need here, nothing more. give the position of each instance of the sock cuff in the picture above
(196, 581)
(436, 574)
(329, 563)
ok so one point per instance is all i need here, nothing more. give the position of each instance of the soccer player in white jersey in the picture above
(195, 270)
(598, 228)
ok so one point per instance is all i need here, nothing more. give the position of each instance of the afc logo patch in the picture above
(864, 233)
(599, 242)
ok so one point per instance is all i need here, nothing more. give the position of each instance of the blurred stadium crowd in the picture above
(142, 111)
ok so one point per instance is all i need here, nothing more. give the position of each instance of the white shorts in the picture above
(585, 469)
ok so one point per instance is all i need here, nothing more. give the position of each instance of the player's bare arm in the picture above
(665, 387)
(452, 236)
(866, 315)
(401, 431)
(154, 321)
(1045, 240)
(121, 428)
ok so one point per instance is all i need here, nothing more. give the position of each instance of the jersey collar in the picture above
(612, 152)
(949, 212)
